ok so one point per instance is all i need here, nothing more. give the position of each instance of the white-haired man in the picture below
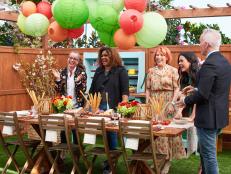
(211, 97)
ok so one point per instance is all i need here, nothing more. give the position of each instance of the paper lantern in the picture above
(75, 33)
(92, 6)
(45, 9)
(118, 5)
(71, 14)
(56, 32)
(105, 19)
(53, 6)
(36, 25)
(153, 31)
(28, 8)
(21, 22)
(107, 38)
(139, 5)
(131, 21)
(124, 41)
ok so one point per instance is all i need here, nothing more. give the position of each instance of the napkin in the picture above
(8, 130)
(89, 139)
(51, 136)
(132, 143)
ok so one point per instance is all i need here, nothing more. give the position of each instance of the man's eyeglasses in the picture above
(73, 58)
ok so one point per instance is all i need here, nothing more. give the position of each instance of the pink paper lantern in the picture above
(131, 21)
(56, 32)
(75, 33)
(28, 8)
(139, 5)
(124, 41)
(45, 9)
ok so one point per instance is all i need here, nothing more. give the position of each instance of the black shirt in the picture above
(115, 83)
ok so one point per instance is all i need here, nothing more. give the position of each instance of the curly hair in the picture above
(114, 56)
(193, 69)
(163, 50)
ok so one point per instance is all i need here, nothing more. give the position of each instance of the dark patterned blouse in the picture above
(79, 85)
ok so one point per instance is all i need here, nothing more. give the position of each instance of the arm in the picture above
(124, 84)
(148, 86)
(192, 116)
(205, 84)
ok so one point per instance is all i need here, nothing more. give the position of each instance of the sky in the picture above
(223, 22)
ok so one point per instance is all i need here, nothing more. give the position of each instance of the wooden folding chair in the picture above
(95, 127)
(11, 127)
(53, 125)
(143, 132)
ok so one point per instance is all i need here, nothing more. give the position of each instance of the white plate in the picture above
(138, 121)
(180, 121)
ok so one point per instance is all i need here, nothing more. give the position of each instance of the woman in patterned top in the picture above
(162, 83)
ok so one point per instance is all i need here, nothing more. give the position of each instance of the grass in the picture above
(184, 166)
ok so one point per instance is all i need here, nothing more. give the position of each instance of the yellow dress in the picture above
(162, 83)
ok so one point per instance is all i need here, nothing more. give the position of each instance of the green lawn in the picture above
(184, 166)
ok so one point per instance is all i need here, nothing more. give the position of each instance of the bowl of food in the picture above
(180, 121)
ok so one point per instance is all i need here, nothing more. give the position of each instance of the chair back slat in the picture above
(139, 136)
(51, 122)
(90, 131)
(135, 129)
(7, 118)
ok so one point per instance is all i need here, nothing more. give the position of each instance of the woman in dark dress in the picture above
(111, 79)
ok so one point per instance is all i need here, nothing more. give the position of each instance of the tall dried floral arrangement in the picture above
(37, 76)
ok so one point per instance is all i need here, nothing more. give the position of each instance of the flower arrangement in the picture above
(62, 103)
(127, 109)
(37, 76)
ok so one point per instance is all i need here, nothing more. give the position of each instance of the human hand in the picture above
(188, 89)
(79, 77)
(178, 114)
(180, 101)
(170, 109)
(56, 74)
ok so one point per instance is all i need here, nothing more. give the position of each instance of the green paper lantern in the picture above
(118, 5)
(71, 14)
(105, 19)
(92, 6)
(153, 31)
(21, 22)
(36, 25)
(107, 38)
(53, 6)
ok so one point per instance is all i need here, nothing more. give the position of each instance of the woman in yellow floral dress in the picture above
(162, 82)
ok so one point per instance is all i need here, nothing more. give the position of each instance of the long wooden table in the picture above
(167, 132)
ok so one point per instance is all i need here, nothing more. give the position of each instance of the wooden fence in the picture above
(13, 96)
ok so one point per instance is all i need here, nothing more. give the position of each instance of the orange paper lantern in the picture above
(28, 8)
(124, 41)
(56, 32)
(139, 5)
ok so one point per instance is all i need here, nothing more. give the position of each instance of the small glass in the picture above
(115, 117)
(34, 111)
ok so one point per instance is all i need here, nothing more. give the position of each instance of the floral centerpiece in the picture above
(62, 103)
(127, 109)
(39, 81)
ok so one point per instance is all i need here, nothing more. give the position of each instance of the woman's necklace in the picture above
(161, 71)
